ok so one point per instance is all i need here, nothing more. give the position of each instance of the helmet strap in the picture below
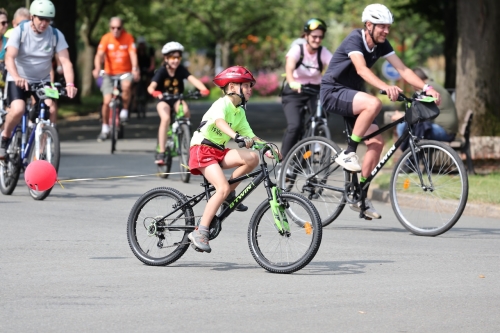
(238, 99)
(371, 34)
(34, 26)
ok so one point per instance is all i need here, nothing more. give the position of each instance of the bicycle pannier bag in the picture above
(421, 111)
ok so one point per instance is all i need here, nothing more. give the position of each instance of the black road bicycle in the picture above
(284, 232)
(428, 187)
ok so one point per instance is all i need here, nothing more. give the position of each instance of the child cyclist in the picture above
(224, 120)
(170, 78)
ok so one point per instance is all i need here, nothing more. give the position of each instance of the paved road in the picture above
(65, 264)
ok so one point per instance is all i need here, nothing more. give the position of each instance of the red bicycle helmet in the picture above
(236, 74)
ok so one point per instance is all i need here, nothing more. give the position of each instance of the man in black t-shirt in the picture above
(342, 89)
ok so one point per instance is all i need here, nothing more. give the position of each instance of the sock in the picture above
(203, 230)
(352, 144)
(105, 128)
(362, 179)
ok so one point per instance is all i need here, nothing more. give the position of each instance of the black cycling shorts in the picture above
(14, 92)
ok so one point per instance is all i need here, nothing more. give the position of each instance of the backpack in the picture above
(320, 63)
(55, 35)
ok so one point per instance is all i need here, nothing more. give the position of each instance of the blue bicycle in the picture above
(33, 139)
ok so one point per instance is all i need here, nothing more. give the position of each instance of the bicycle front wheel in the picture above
(10, 168)
(310, 169)
(432, 205)
(115, 111)
(157, 240)
(49, 150)
(184, 143)
(285, 252)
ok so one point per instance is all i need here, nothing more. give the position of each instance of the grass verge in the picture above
(89, 104)
(482, 188)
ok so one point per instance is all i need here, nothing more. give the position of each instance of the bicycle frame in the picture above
(258, 177)
(27, 143)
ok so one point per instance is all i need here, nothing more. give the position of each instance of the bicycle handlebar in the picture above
(418, 97)
(263, 147)
(190, 95)
(39, 89)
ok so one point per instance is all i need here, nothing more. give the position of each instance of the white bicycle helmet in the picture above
(172, 47)
(377, 14)
(43, 8)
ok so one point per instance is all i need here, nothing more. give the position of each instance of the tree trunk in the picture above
(478, 70)
(450, 44)
(225, 54)
(65, 21)
(86, 60)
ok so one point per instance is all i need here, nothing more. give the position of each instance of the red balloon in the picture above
(40, 175)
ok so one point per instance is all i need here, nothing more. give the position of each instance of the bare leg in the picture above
(374, 149)
(213, 173)
(105, 109)
(164, 113)
(366, 107)
(126, 92)
(243, 160)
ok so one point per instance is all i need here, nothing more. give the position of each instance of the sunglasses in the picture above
(317, 37)
(174, 57)
(314, 24)
(4, 23)
(115, 28)
(46, 19)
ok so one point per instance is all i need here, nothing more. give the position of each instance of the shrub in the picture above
(266, 84)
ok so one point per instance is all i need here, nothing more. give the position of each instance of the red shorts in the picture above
(202, 156)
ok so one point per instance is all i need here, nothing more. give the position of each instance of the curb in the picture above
(471, 209)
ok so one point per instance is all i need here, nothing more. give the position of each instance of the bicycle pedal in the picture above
(196, 249)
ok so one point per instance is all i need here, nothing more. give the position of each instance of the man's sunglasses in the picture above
(174, 57)
(4, 23)
(116, 28)
(46, 19)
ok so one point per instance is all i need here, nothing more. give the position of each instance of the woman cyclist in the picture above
(304, 65)
(169, 78)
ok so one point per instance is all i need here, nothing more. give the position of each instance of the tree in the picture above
(478, 70)
(441, 17)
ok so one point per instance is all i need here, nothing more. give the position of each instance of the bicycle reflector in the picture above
(40, 175)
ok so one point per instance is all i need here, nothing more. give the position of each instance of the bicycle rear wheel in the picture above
(435, 207)
(285, 252)
(10, 168)
(184, 143)
(164, 169)
(49, 151)
(155, 240)
(309, 168)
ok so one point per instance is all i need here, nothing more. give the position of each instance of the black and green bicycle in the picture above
(284, 232)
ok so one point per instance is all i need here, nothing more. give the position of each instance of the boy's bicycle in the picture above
(178, 137)
(115, 106)
(37, 140)
(428, 187)
(284, 232)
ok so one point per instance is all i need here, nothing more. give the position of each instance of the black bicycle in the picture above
(317, 124)
(178, 138)
(284, 233)
(428, 187)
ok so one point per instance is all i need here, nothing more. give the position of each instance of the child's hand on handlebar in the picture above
(243, 139)
(269, 154)
(157, 94)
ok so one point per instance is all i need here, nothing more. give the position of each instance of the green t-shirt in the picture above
(448, 118)
(222, 108)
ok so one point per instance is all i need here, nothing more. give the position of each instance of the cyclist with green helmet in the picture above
(30, 50)
(304, 65)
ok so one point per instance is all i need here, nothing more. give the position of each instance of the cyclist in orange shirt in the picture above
(117, 50)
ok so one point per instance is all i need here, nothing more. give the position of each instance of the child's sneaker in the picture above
(160, 158)
(200, 240)
(240, 208)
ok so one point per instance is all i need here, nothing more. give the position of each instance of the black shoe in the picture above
(160, 158)
(240, 208)
(3, 148)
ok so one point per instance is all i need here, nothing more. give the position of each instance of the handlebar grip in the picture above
(241, 144)
(401, 97)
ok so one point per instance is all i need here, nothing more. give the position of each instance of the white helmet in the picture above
(172, 47)
(377, 14)
(43, 8)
